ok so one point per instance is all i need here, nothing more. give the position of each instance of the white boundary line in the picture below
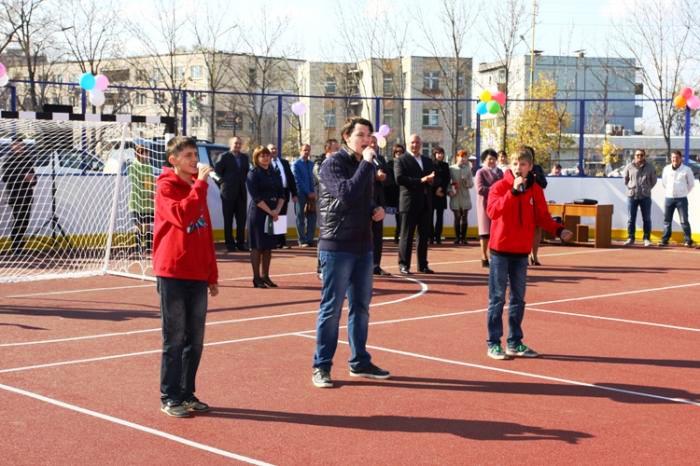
(132, 425)
(421, 292)
(520, 373)
(613, 319)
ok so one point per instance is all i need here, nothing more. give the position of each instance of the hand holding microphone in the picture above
(206, 170)
(368, 154)
(519, 182)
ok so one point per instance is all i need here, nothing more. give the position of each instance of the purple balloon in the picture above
(3, 70)
(384, 130)
(298, 108)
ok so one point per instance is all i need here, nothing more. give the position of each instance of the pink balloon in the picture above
(3, 70)
(693, 102)
(499, 97)
(101, 82)
(687, 92)
(384, 130)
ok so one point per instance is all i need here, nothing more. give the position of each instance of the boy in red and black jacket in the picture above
(185, 266)
(516, 205)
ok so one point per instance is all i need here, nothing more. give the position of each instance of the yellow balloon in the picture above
(679, 102)
(485, 95)
(381, 141)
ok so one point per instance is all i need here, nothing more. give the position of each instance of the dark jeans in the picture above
(460, 224)
(673, 203)
(351, 274)
(234, 208)
(409, 222)
(644, 205)
(306, 224)
(183, 309)
(437, 229)
(504, 269)
(21, 202)
(377, 237)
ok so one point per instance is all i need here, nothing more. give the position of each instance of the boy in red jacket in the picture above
(185, 266)
(516, 205)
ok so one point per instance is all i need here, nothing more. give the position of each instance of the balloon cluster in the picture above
(299, 108)
(687, 97)
(4, 78)
(96, 85)
(490, 102)
(381, 135)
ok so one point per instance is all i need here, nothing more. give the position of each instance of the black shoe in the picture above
(380, 271)
(194, 405)
(426, 270)
(259, 283)
(370, 371)
(404, 270)
(269, 282)
(174, 409)
(231, 248)
(243, 248)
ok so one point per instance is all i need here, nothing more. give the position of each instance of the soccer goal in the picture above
(77, 194)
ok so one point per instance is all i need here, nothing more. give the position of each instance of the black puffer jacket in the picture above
(345, 203)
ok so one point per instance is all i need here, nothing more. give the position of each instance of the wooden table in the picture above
(571, 215)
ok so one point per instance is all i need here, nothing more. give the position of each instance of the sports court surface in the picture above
(618, 382)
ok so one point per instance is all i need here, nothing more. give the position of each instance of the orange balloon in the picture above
(679, 102)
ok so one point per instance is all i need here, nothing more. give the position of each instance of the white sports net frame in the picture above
(75, 199)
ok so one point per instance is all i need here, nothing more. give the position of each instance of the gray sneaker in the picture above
(174, 410)
(194, 405)
(522, 351)
(321, 378)
(496, 352)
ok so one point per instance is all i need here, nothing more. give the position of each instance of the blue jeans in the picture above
(183, 310)
(503, 269)
(644, 205)
(306, 224)
(344, 272)
(673, 203)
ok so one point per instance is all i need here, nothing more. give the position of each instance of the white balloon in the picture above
(97, 98)
(298, 108)
(4, 80)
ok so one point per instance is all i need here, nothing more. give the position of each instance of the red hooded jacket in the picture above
(514, 216)
(183, 243)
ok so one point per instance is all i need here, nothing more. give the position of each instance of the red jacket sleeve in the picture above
(499, 197)
(181, 213)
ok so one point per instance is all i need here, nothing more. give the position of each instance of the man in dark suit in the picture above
(414, 175)
(282, 167)
(232, 168)
(380, 180)
(19, 178)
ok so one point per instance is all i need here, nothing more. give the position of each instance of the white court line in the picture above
(133, 425)
(520, 373)
(421, 292)
(614, 319)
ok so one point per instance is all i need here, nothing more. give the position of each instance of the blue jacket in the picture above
(303, 175)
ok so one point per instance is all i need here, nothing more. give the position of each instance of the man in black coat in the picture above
(282, 167)
(19, 178)
(232, 168)
(380, 180)
(414, 175)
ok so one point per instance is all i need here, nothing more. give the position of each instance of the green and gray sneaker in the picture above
(496, 352)
(522, 351)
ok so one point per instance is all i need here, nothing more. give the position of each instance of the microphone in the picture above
(212, 174)
(521, 188)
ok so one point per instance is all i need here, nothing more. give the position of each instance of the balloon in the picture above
(493, 107)
(3, 70)
(87, 81)
(687, 92)
(693, 102)
(384, 130)
(381, 141)
(481, 108)
(4, 79)
(679, 102)
(298, 108)
(485, 95)
(97, 98)
(101, 82)
(499, 97)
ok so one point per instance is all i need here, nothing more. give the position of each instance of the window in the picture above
(388, 88)
(460, 83)
(431, 117)
(179, 72)
(140, 99)
(159, 97)
(501, 76)
(460, 118)
(427, 148)
(141, 75)
(329, 118)
(330, 85)
(196, 121)
(196, 72)
(389, 119)
(252, 77)
(155, 75)
(431, 81)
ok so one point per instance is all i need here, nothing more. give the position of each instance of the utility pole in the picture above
(532, 48)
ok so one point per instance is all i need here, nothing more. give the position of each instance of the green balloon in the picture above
(493, 107)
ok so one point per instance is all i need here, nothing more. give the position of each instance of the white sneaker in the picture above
(647, 243)
(629, 242)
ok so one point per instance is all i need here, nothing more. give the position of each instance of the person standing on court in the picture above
(303, 168)
(185, 268)
(640, 178)
(329, 148)
(233, 168)
(460, 196)
(677, 180)
(281, 166)
(486, 176)
(440, 190)
(414, 175)
(516, 204)
(380, 179)
(20, 179)
(346, 210)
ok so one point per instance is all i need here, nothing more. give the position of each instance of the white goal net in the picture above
(77, 197)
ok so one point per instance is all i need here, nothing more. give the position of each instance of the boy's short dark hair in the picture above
(488, 153)
(350, 124)
(177, 145)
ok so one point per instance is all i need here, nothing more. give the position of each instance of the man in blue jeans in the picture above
(640, 178)
(305, 205)
(346, 211)
(678, 181)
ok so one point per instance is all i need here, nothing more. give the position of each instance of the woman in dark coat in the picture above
(440, 186)
(267, 197)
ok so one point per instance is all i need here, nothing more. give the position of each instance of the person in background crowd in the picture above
(302, 168)
(281, 166)
(556, 170)
(486, 176)
(20, 179)
(380, 179)
(233, 168)
(391, 190)
(460, 197)
(640, 178)
(439, 192)
(142, 183)
(503, 163)
(677, 180)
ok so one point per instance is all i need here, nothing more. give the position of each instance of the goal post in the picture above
(77, 194)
